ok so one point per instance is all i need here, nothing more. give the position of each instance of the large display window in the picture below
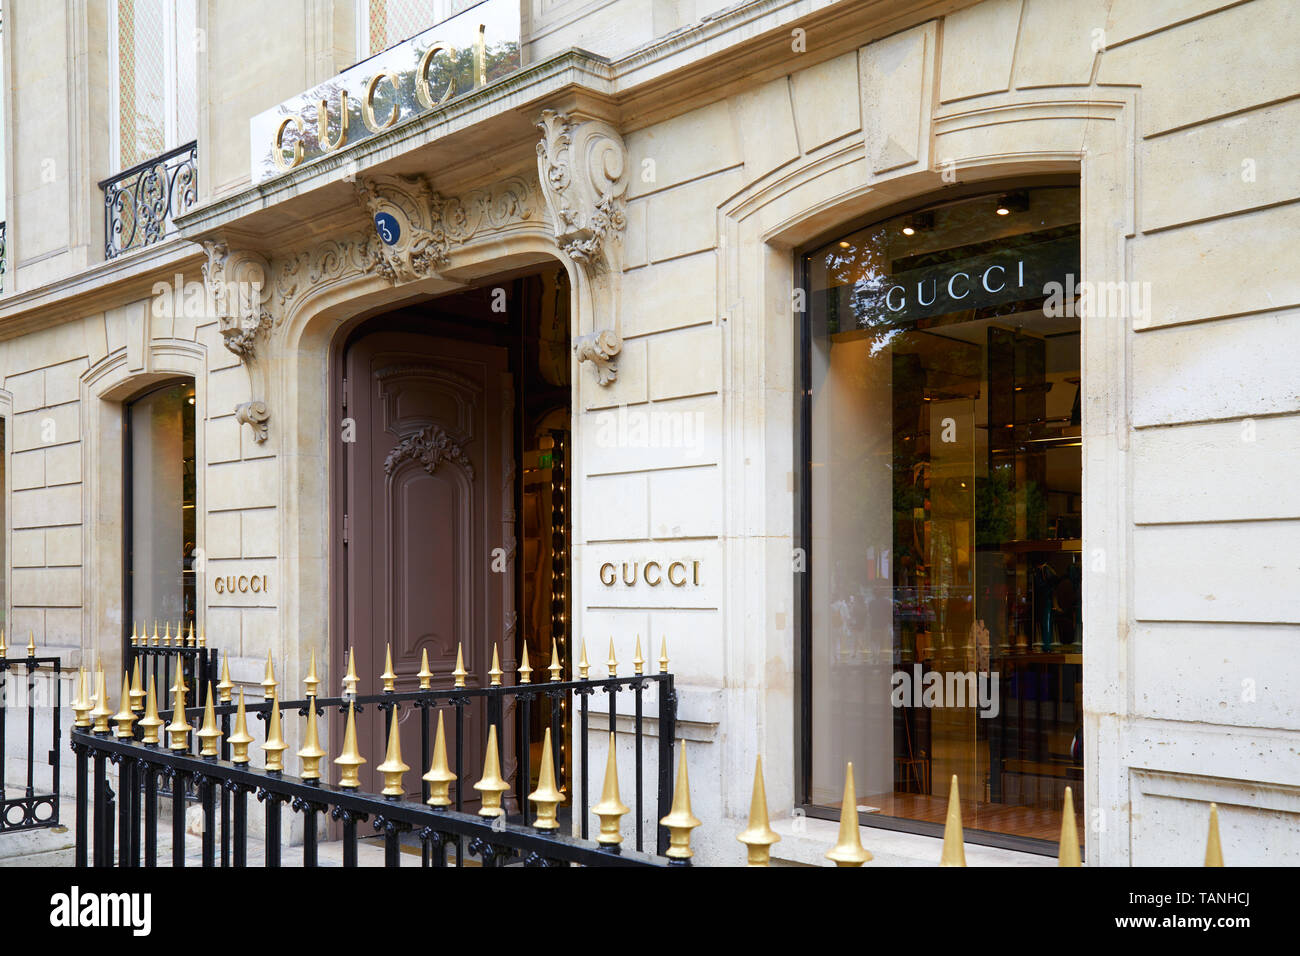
(941, 516)
(160, 488)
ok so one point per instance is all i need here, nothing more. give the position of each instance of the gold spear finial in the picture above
(611, 807)
(101, 713)
(311, 682)
(155, 634)
(209, 735)
(954, 848)
(1213, 848)
(150, 723)
(460, 673)
(311, 753)
(179, 729)
(225, 686)
(191, 641)
(388, 677)
(612, 664)
(525, 672)
(556, 668)
(4, 648)
(491, 786)
(269, 683)
(137, 689)
(167, 636)
(638, 665)
(495, 673)
(680, 821)
(583, 666)
(425, 675)
(203, 639)
(350, 760)
(135, 636)
(1068, 847)
(439, 776)
(663, 656)
(31, 644)
(241, 738)
(547, 796)
(274, 746)
(393, 768)
(848, 849)
(759, 835)
(350, 679)
(180, 679)
(82, 704)
(125, 717)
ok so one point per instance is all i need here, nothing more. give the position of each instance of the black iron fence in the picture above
(141, 203)
(121, 827)
(4, 253)
(40, 689)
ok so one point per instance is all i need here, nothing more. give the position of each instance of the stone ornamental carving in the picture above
(256, 415)
(583, 169)
(252, 293)
(429, 225)
(430, 446)
(237, 285)
(419, 246)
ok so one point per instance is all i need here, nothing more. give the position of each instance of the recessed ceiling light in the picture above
(1012, 202)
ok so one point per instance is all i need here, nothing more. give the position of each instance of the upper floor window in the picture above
(384, 23)
(153, 53)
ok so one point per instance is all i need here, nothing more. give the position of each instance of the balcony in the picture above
(141, 204)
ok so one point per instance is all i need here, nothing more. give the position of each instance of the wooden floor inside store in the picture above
(1031, 822)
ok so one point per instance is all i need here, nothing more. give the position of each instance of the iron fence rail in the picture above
(33, 808)
(148, 772)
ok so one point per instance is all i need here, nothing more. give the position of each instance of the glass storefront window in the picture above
(161, 494)
(944, 513)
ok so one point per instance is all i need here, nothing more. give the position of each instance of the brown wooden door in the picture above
(429, 501)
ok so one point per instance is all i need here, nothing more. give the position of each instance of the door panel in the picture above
(429, 497)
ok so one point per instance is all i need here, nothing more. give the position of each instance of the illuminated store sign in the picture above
(994, 278)
(418, 75)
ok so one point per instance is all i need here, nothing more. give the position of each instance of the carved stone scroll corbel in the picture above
(237, 286)
(582, 165)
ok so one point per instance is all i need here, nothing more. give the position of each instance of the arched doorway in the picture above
(442, 535)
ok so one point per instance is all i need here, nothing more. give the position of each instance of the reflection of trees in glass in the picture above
(996, 498)
(499, 60)
(855, 263)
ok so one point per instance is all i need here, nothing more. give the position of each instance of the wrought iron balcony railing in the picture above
(140, 204)
(4, 258)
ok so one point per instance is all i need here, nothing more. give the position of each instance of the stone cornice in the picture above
(102, 286)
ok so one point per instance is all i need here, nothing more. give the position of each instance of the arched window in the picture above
(942, 515)
(159, 484)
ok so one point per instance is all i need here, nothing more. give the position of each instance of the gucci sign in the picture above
(676, 574)
(241, 584)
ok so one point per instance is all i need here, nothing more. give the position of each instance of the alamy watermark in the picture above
(1097, 300)
(942, 689)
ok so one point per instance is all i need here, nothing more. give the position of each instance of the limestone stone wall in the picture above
(1179, 120)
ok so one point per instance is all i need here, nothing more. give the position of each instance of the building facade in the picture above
(920, 374)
